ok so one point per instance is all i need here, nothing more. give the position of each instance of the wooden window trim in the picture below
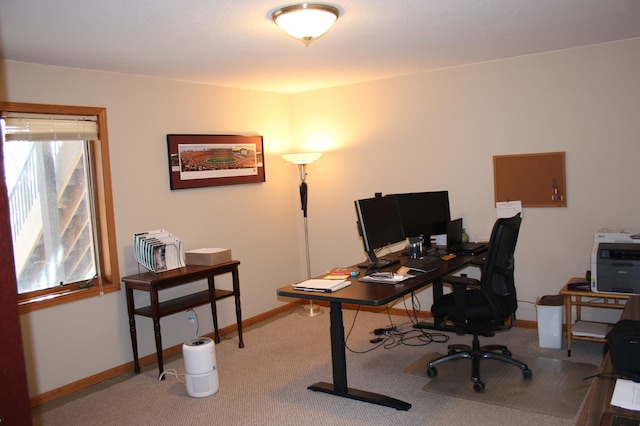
(104, 212)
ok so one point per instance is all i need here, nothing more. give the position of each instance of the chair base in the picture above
(477, 353)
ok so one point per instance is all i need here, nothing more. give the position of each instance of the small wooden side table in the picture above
(153, 283)
(574, 297)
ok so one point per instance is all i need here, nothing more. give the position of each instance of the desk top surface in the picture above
(375, 294)
(588, 293)
(599, 398)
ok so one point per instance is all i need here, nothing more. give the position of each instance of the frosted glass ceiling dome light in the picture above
(305, 21)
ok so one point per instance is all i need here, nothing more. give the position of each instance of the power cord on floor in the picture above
(196, 323)
(632, 377)
(171, 372)
(393, 335)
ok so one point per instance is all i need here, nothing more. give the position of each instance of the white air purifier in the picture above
(201, 373)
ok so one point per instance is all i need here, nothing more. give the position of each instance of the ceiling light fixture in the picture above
(305, 21)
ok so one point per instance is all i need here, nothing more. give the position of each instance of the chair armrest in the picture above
(479, 261)
(462, 282)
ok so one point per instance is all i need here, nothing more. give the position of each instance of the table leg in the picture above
(339, 365)
(132, 328)
(578, 308)
(568, 313)
(214, 309)
(437, 289)
(236, 294)
(155, 314)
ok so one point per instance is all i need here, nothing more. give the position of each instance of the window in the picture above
(58, 182)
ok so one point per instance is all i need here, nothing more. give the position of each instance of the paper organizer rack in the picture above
(158, 250)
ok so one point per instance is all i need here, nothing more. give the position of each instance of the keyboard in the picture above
(425, 264)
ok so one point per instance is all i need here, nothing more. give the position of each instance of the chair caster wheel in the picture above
(478, 386)
(527, 374)
(432, 372)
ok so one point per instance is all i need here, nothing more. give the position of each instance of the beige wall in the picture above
(256, 221)
(432, 131)
(440, 130)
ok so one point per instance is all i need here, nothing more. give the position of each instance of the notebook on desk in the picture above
(321, 285)
(454, 240)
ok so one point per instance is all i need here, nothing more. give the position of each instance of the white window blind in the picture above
(38, 129)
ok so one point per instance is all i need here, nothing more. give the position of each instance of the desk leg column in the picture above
(214, 309)
(132, 328)
(155, 314)
(439, 323)
(339, 365)
(437, 292)
(338, 356)
(236, 294)
(568, 313)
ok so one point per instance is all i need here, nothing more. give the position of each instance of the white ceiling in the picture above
(234, 42)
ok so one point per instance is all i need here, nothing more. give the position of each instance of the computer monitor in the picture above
(379, 224)
(423, 213)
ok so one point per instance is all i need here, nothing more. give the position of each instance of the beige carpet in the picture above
(266, 383)
(557, 387)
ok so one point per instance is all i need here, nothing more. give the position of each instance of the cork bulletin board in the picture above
(538, 180)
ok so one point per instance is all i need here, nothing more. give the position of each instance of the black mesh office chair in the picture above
(480, 307)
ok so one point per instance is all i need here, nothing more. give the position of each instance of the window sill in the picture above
(62, 297)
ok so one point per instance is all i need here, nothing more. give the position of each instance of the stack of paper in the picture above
(322, 285)
(158, 250)
(626, 394)
(598, 330)
(385, 278)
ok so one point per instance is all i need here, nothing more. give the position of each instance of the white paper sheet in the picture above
(507, 209)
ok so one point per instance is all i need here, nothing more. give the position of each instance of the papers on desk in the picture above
(322, 285)
(626, 394)
(385, 278)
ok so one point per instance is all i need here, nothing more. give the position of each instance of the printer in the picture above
(615, 262)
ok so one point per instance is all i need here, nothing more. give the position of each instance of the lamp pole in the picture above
(302, 160)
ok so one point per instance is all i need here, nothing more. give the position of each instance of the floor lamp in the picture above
(302, 160)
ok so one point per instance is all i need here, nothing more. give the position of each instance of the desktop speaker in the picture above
(201, 373)
(624, 348)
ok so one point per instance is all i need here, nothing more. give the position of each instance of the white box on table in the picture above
(207, 256)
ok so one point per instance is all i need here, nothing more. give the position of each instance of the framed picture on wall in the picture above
(197, 161)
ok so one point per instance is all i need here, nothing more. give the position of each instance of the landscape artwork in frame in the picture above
(197, 161)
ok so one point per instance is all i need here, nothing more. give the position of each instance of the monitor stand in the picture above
(380, 262)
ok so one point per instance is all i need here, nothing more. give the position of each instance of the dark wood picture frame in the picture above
(197, 161)
(538, 180)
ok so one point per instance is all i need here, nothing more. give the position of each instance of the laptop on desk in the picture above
(454, 240)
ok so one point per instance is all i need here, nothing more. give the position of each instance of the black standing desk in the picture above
(370, 294)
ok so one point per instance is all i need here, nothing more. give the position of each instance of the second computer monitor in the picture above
(424, 213)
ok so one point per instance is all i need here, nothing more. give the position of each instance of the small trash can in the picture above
(549, 317)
